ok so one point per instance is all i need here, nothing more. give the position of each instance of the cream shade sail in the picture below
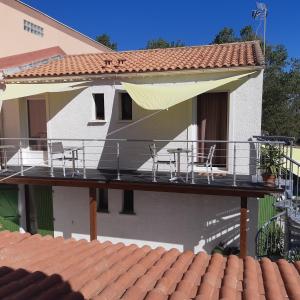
(160, 97)
(15, 91)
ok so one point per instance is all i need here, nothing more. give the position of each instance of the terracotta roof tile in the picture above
(240, 54)
(35, 267)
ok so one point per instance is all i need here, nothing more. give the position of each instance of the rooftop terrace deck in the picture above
(137, 180)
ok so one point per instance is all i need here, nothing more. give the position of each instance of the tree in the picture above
(247, 34)
(162, 43)
(226, 35)
(104, 39)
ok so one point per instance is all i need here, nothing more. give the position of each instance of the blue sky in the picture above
(132, 22)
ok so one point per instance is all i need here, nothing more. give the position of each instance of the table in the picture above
(74, 150)
(3, 149)
(178, 151)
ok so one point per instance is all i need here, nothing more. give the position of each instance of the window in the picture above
(102, 201)
(99, 106)
(126, 107)
(34, 29)
(128, 205)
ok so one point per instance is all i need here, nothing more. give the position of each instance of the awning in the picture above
(158, 97)
(15, 91)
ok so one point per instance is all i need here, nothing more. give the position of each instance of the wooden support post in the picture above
(243, 228)
(93, 214)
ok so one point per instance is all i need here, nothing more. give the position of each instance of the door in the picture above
(9, 214)
(212, 121)
(39, 206)
(37, 123)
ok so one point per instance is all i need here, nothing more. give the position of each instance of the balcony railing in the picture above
(233, 162)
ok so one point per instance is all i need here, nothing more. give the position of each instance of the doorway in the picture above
(9, 212)
(37, 124)
(212, 123)
(39, 209)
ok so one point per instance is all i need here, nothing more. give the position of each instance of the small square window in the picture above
(126, 107)
(128, 202)
(99, 106)
(102, 201)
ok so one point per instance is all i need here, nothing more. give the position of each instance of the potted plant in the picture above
(271, 160)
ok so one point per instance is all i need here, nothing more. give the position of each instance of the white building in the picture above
(101, 116)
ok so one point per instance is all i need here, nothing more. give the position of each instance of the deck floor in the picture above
(140, 177)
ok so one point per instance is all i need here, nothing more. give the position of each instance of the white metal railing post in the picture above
(21, 158)
(51, 159)
(83, 159)
(192, 162)
(118, 162)
(234, 164)
(291, 169)
(297, 188)
(154, 163)
(280, 167)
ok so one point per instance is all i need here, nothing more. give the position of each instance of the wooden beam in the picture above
(243, 228)
(93, 214)
(253, 192)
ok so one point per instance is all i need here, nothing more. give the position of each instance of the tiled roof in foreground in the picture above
(33, 267)
(242, 54)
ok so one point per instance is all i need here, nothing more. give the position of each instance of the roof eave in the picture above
(130, 74)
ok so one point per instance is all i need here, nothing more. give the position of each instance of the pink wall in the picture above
(15, 40)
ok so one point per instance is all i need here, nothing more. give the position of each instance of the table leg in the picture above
(73, 162)
(178, 165)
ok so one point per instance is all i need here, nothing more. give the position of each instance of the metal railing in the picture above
(280, 236)
(233, 161)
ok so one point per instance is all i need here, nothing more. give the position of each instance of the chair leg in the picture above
(64, 166)
(207, 173)
(187, 174)
(171, 171)
(153, 171)
(212, 173)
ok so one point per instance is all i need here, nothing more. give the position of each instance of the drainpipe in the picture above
(2, 88)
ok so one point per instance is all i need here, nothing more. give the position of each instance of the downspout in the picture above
(2, 88)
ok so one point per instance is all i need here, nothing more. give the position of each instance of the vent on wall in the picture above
(33, 28)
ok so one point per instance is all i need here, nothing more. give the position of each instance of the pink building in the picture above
(26, 29)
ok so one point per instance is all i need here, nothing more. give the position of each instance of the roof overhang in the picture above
(128, 75)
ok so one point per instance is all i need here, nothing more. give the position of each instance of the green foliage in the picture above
(162, 43)
(104, 39)
(247, 34)
(275, 242)
(271, 242)
(270, 159)
(226, 35)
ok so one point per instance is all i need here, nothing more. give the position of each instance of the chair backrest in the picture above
(57, 148)
(211, 154)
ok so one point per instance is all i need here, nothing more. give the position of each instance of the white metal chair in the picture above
(171, 162)
(207, 163)
(57, 152)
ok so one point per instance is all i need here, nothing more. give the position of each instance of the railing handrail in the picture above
(292, 160)
(145, 140)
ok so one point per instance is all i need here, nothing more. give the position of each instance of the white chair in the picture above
(57, 152)
(171, 162)
(207, 163)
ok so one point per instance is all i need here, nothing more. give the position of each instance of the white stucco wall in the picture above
(183, 221)
(71, 115)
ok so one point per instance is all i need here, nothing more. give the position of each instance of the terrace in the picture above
(174, 163)
(141, 165)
